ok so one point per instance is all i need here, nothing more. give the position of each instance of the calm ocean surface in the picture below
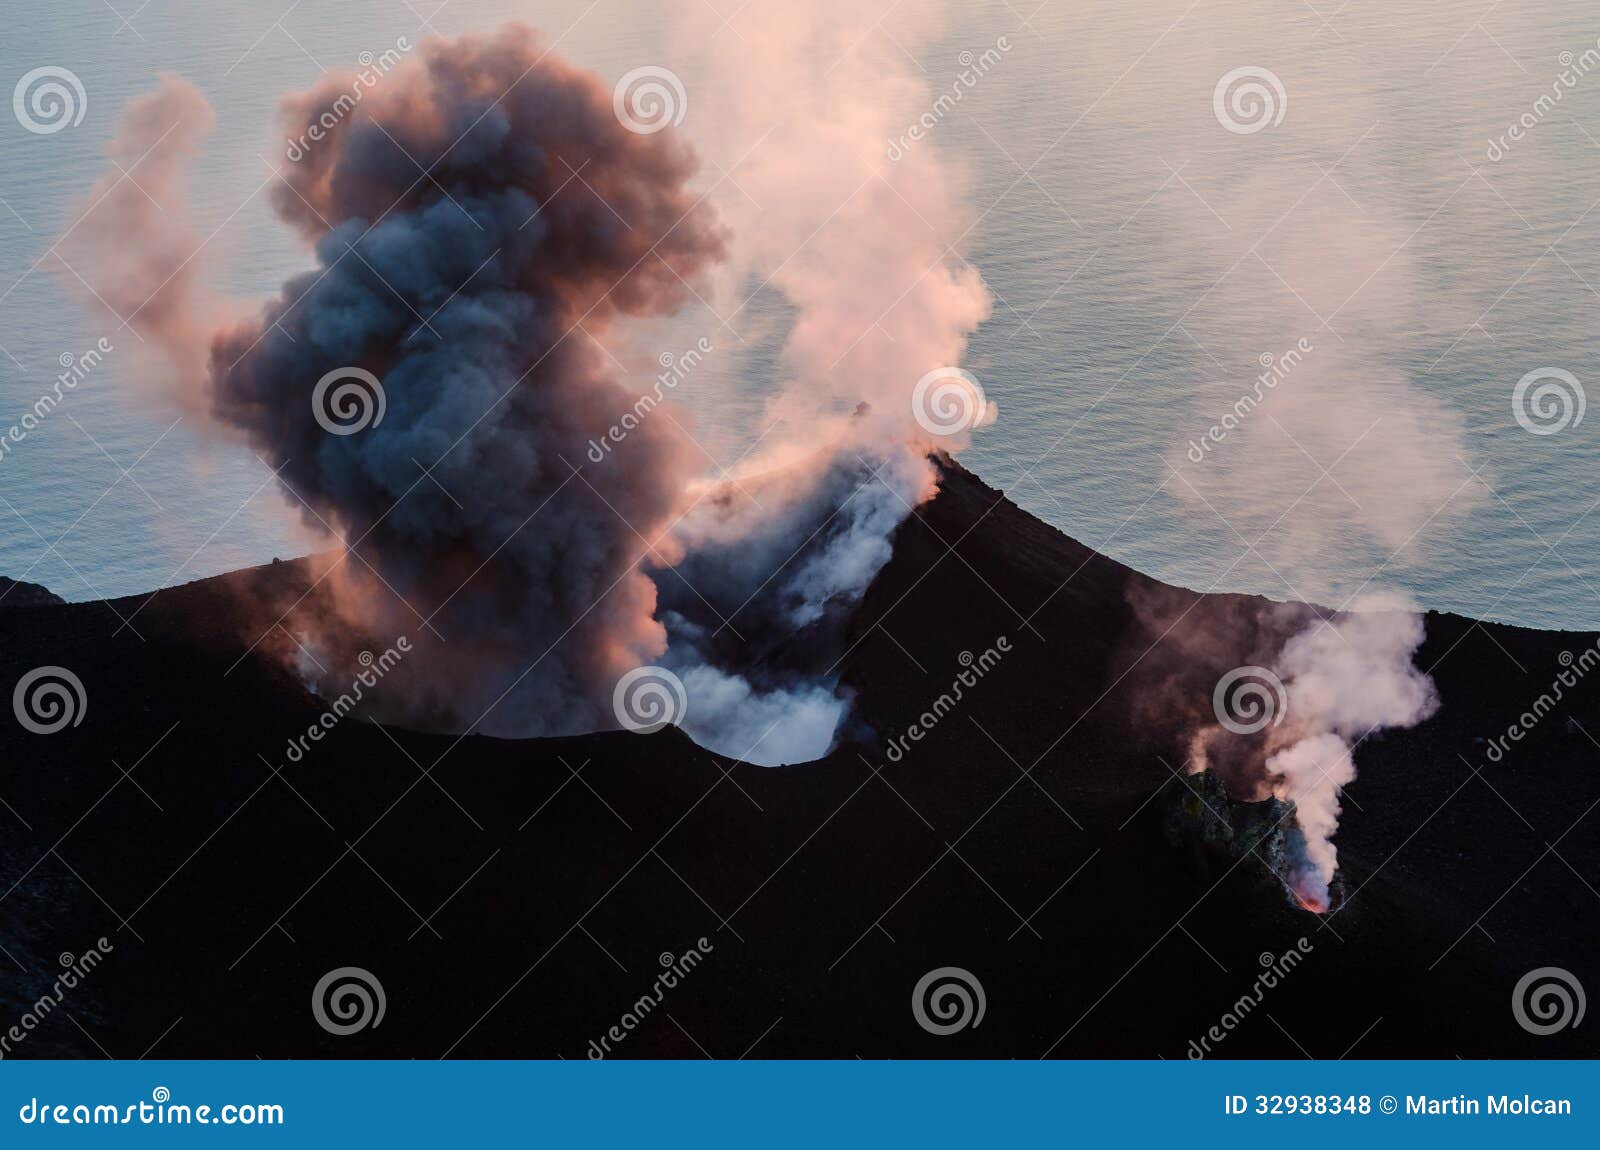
(1143, 258)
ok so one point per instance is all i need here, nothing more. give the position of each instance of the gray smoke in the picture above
(477, 523)
(481, 221)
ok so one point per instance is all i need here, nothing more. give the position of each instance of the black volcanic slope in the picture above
(513, 897)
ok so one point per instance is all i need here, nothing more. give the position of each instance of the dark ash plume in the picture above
(478, 220)
(430, 392)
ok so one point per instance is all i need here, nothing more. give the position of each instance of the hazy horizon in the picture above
(1143, 257)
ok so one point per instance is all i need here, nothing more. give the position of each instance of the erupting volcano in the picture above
(448, 395)
(484, 225)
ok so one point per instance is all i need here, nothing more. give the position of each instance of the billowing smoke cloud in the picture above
(481, 219)
(462, 275)
(1347, 678)
(759, 618)
(132, 249)
(1314, 451)
(866, 250)
(1291, 727)
(865, 253)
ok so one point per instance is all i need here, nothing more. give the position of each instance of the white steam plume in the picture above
(866, 254)
(1332, 464)
(1346, 678)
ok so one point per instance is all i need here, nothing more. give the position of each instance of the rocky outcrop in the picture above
(14, 593)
